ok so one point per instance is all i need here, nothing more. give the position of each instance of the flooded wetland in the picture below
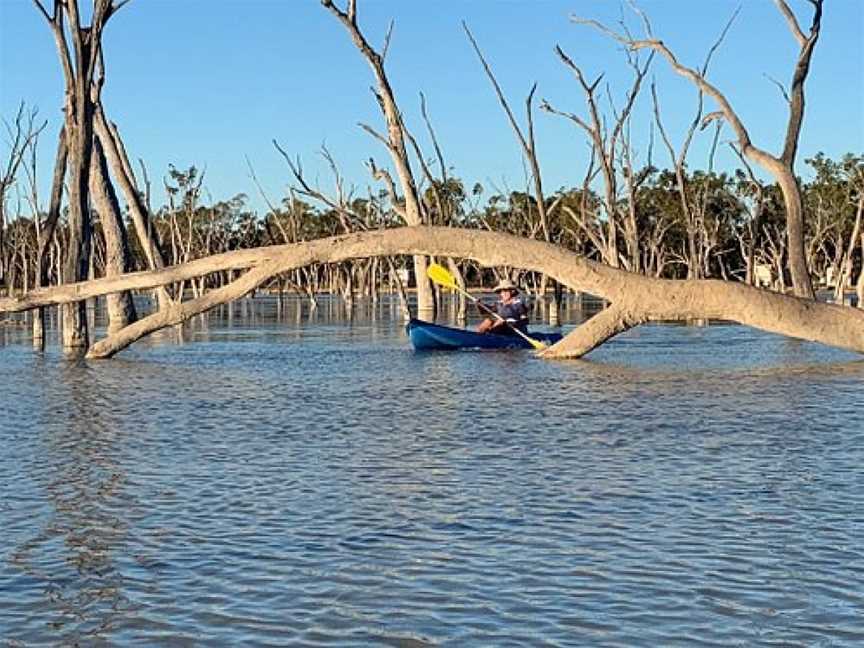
(305, 478)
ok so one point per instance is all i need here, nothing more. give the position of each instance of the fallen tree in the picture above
(634, 299)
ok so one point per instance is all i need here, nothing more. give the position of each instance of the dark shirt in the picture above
(516, 314)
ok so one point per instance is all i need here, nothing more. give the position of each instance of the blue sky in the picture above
(209, 82)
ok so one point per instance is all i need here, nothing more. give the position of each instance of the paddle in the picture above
(440, 275)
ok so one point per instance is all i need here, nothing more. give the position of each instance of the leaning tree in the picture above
(781, 167)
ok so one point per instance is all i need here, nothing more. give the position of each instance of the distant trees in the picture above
(676, 221)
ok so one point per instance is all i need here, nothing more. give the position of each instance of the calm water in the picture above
(312, 481)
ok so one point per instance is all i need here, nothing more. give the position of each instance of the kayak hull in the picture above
(426, 336)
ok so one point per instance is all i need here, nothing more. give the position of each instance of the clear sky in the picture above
(208, 82)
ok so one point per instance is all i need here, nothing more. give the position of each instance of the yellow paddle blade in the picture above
(440, 275)
(537, 344)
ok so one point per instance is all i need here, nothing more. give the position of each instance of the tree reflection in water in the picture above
(73, 552)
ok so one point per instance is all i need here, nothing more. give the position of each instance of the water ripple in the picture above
(323, 485)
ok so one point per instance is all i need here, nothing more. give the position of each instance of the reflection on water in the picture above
(274, 474)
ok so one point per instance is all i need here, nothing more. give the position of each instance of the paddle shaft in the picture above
(534, 343)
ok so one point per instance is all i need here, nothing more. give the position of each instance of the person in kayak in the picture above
(512, 311)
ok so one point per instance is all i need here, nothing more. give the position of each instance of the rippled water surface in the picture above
(311, 480)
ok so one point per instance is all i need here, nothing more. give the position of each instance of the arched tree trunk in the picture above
(634, 298)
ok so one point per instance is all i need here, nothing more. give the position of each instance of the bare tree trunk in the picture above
(121, 310)
(115, 155)
(859, 289)
(846, 266)
(79, 48)
(74, 321)
(395, 142)
(636, 298)
(46, 235)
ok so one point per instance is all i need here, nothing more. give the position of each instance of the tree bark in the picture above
(845, 273)
(46, 234)
(121, 170)
(638, 298)
(79, 48)
(121, 310)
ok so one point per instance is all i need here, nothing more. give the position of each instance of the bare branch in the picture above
(44, 12)
(434, 139)
(793, 22)
(780, 87)
(502, 100)
(645, 22)
(384, 176)
(387, 38)
(719, 40)
(545, 105)
(376, 135)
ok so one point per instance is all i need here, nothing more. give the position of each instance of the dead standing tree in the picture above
(635, 299)
(21, 138)
(410, 209)
(529, 150)
(780, 167)
(121, 310)
(692, 207)
(79, 47)
(605, 146)
(45, 236)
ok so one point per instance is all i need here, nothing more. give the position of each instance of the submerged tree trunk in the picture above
(121, 311)
(79, 48)
(46, 235)
(635, 299)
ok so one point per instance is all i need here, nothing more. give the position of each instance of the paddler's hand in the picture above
(484, 308)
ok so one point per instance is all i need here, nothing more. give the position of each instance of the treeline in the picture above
(712, 225)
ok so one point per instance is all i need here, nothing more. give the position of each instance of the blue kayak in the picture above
(432, 337)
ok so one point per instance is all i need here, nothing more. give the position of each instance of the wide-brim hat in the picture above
(505, 284)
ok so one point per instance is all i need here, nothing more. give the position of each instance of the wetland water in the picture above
(311, 480)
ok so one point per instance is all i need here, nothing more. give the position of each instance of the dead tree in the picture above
(605, 143)
(121, 169)
(846, 266)
(121, 310)
(692, 210)
(780, 167)
(45, 234)
(409, 210)
(754, 198)
(635, 299)
(22, 134)
(529, 150)
(79, 47)
(859, 287)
